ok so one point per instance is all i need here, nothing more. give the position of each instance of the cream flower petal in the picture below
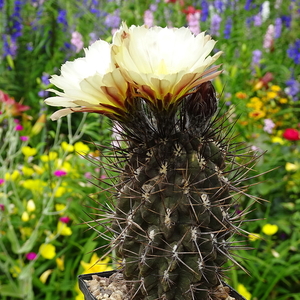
(61, 113)
(156, 60)
(85, 82)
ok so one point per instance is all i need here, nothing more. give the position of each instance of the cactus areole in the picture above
(178, 169)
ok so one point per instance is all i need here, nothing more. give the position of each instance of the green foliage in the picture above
(43, 193)
(44, 44)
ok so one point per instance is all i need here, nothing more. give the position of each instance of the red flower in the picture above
(191, 10)
(181, 2)
(60, 173)
(13, 108)
(291, 134)
(264, 81)
(31, 255)
(64, 219)
(19, 127)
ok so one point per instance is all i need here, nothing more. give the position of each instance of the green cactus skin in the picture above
(172, 220)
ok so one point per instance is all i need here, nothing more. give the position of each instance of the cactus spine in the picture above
(172, 218)
(179, 171)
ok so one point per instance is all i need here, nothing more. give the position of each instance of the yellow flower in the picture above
(66, 166)
(291, 167)
(38, 169)
(269, 229)
(63, 229)
(241, 289)
(257, 114)
(164, 64)
(81, 148)
(271, 95)
(25, 216)
(67, 147)
(28, 151)
(45, 275)
(50, 236)
(79, 295)
(60, 207)
(60, 263)
(35, 185)
(283, 100)
(60, 191)
(241, 95)
(255, 99)
(30, 205)
(27, 171)
(26, 232)
(277, 140)
(47, 251)
(51, 156)
(12, 176)
(15, 271)
(253, 237)
(275, 88)
(255, 103)
(95, 265)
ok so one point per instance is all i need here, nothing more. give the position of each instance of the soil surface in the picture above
(115, 288)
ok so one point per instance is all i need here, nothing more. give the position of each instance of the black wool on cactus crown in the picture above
(177, 175)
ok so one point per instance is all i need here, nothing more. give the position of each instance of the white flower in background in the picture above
(164, 64)
(77, 41)
(265, 11)
(269, 37)
(90, 84)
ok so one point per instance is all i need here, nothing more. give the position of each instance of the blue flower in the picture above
(62, 17)
(9, 46)
(45, 79)
(286, 20)
(204, 10)
(248, 5)
(278, 27)
(293, 88)
(227, 30)
(293, 52)
(113, 20)
(256, 58)
(219, 5)
(215, 25)
(16, 18)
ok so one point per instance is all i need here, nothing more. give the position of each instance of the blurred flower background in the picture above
(45, 179)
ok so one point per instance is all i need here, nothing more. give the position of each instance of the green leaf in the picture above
(26, 272)
(10, 61)
(11, 290)
(28, 245)
(13, 239)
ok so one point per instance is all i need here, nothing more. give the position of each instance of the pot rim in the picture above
(88, 295)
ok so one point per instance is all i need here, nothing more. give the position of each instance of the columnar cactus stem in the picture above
(178, 167)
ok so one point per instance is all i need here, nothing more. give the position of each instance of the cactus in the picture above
(179, 173)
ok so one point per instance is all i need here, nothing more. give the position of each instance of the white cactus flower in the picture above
(164, 64)
(92, 83)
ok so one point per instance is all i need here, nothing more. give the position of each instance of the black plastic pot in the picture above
(88, 296)
(83, 286)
